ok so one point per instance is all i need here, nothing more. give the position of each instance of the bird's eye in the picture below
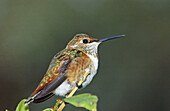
(85, 41)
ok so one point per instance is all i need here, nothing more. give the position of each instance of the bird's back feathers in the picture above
(55, 75)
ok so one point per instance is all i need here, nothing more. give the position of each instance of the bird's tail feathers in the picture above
(31, 99)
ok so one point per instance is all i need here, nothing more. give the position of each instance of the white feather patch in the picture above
(89, 78)
(63, 89)
(95, 61)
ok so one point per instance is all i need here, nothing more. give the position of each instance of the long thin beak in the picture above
(109, 38)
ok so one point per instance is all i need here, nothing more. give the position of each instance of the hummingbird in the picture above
(68, 67)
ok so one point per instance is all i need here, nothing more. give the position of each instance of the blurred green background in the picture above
(134, 72)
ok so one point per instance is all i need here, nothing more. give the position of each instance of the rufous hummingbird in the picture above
(68, 66)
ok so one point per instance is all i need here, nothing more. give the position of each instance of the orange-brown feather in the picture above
(79, 61)
(77, 67)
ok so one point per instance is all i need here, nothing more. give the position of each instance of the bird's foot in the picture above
(79, 86)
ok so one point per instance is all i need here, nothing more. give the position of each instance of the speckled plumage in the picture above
(56, 63)
(66, 68)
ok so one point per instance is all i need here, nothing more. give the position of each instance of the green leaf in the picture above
(48, 109)
(86, 100)
(21, 106)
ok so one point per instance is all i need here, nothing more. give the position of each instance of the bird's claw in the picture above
(79, 86)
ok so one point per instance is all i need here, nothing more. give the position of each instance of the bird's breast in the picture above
(76, 70)
(94, 60)
(92, 69)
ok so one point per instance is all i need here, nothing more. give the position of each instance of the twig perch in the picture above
(73, 91)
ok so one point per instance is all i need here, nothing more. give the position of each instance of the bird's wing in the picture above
(54, 76)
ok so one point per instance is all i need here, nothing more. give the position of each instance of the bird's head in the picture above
(85, 43)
